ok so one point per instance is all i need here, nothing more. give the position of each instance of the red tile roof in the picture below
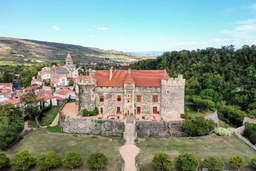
(141, 78)
(14, 101)
(49, 96)
(63, 92)
(31, 88)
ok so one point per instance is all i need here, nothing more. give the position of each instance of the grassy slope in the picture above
(39, 142)
(49, 116)
(222, 147)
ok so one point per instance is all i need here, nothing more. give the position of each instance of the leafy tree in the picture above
(250, 132)
(72, 159)
(97, 160)
(162, 161)
(31, 108)
(26, 75)
(187, 162)
(232, 114)
(4, 160)
(213, 163)
(48, 160)
(237, 162)
(23, 161)
(9, 131)
(70, 82)
(198, 126)
(253, 161)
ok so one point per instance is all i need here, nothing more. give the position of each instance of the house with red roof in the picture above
(65, 94)
(48, 98)
(146, 92)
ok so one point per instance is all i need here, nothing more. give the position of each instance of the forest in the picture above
(216, 78)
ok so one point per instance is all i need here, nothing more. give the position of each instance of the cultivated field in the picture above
(39, 142)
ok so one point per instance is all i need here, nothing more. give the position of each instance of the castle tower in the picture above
(86, 92)
(172, 97)
(69, 60)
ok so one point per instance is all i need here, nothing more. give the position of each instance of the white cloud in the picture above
(102, 28)
(55, 28)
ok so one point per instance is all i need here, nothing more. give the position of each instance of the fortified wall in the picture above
(116, 127)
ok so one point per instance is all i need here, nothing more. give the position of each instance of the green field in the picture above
(39, 142)
(218, 146)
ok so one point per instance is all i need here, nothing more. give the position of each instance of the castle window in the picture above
(119, 98)
(101, 110)
(155, 98)
(138, 110)
(138, 98)
(101, 98)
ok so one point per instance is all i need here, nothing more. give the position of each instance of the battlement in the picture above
(86, 80)
(179, 81)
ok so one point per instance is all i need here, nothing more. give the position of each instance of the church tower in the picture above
(69, 60)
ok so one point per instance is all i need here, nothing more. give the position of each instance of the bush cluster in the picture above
(94, 112)
(25, 161)
(224, 131)
(188, 161)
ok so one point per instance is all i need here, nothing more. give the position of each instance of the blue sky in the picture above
(132, 25)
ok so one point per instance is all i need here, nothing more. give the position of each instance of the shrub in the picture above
(72, 159)
(224, 131)
(162, 161)
(253, 161)
(213, 164)
(250, 132)
(187, 162)
(237, 161)
(48, 160)
(4, 160)
(23, 161)
(198, 126)
(232, 114)
(97, 160)
(94, 112)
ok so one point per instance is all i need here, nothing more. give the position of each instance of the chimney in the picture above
(111, 73)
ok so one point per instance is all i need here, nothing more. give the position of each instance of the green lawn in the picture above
(49, 116)
(38, 142)
(219, 146)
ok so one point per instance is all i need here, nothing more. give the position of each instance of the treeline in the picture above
(214, 76)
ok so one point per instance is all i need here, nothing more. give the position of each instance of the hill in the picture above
(24, 49)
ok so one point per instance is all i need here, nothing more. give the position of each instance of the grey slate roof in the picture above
(62, 70)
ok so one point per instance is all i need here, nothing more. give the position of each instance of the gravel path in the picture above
(129, 152)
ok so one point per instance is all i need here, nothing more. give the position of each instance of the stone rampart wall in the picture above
(158, 129)
(91, 126)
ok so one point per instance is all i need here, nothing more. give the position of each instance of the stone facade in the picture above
(165, 97)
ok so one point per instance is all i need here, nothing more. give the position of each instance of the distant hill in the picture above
(49, 51)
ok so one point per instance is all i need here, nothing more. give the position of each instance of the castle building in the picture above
(132, 92)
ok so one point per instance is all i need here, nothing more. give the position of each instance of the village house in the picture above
(132, 92)
(65, 94)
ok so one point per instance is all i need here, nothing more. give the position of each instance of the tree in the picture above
(97, 160)
(232, 114)
(162, 161)
(237, 162)
(48, 160)
(198, 126)
(9, 131)
(187, 162)
(72, 159)
(23, 161)
(31, 108)
(213, 164)
(4, 160)
(253, 161)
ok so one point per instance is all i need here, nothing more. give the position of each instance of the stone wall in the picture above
(214, 117)
(158, 129)
(91, 126)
